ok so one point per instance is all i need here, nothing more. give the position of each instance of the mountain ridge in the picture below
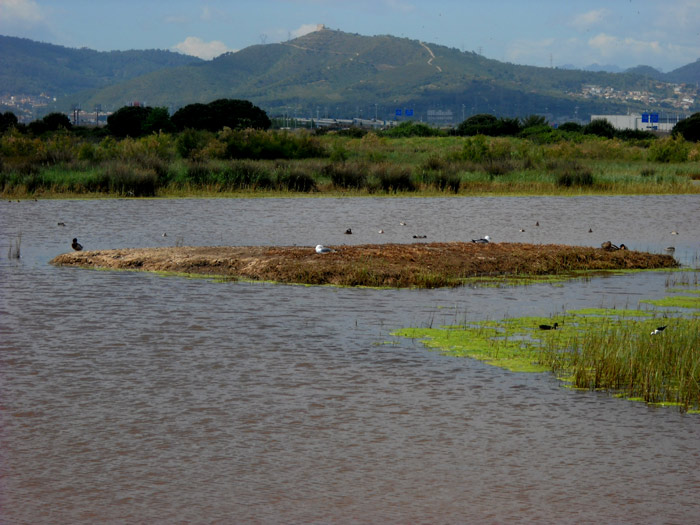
(337, 73)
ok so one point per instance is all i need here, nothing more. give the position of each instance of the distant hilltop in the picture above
(330, 73)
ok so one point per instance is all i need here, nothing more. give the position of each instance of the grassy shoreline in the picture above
(594, 349)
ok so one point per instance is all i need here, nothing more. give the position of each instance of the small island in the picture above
(417, 265)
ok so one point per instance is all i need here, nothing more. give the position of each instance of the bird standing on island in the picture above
(484, 240)
(320, 248)
(76, 245)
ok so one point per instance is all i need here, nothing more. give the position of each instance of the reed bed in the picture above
(597, 349)
(371, 165)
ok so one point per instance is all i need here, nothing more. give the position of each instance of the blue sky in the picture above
(663, 34)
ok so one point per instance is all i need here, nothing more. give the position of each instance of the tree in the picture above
(7, 120)
(56, 121)
(128, 121)
(689, 128)
(214, 116)
(485, 124)
(158, 120)
(571, 126)
(599, 127)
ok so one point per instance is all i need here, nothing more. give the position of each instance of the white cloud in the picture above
(587, 20)
(608, 46)
(20, 11)
(199, 48)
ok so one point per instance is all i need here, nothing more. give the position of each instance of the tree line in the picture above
(137, 121)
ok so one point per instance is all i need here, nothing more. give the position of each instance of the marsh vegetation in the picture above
(257, 162)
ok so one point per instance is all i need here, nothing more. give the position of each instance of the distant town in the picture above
(664, 96)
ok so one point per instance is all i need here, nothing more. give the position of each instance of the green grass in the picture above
(593, 348)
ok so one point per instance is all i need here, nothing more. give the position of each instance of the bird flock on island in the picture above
(486, 239)
(606, 245)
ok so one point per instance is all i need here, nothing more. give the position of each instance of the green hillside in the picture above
(340, 74)
(30, 68)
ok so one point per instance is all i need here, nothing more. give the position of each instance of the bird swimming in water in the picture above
(420, 236)
(485, 240)
(348, 232)
(537, 223)
(659, 330)
(60, 224)
(380, 231)
(320, 248)
(549, 327)
(76, 245)
(590, 230)
(402, 223)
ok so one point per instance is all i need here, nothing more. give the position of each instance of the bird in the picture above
(671, 249)
(590, 230)
(165, 234)
(659, 330)
(674, 232)
(420, 236)
(380, 231)
(348, 232)
(60, 224)
(607, 245)
(320, 248)
(623, 247)
(537, 223)
(522, 231)
(76, 245)
(485, 240)
(402, 223)
(549, 327)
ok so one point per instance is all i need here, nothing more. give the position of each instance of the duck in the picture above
(76, 245)
(380, 231)
(549, 327)
(484, 240)
(320, 248)
(590, 230)
(607, 245)
(402, 223)
(659, 330)
(671, 249)
(348, 232)
(537, 223)
(420, 236)
(60, 224)
(623, 247)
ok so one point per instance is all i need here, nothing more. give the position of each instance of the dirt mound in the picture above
(423, 265)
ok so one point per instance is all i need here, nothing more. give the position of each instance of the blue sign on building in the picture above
(398, 112)
(654, 117)
(645, 117)
(409, 112)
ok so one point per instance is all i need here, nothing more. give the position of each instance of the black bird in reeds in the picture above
(76, 245)
(659, 330)
(549, 327)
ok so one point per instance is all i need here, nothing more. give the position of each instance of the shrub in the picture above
(669, 149)
(349, 176)
(393, 178)
(689, 128)
(128, 179)
(573, 174)
(295, 180)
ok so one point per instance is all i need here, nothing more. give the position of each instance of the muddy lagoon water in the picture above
(130, 397)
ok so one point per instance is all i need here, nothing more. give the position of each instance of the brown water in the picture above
(136, 398)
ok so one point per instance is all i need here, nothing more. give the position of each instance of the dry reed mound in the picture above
(398, 265)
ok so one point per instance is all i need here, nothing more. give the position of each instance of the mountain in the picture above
(689, 73)
(330, 72)
(32, 68)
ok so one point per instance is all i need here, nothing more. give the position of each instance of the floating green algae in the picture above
(677, 301)
(592, 348)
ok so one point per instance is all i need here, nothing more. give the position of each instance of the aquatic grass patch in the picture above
(593, 348)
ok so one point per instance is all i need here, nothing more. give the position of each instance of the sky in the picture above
(664, 34)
